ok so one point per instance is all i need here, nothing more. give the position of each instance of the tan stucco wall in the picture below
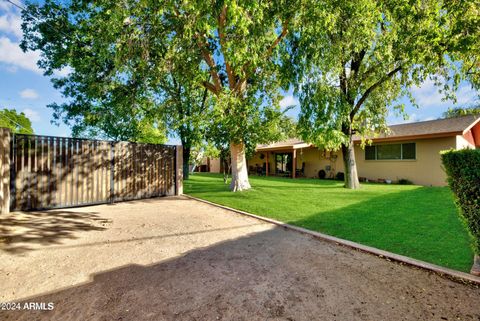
(316, 159)
(466, 141)
(425, 170)
(214, 165)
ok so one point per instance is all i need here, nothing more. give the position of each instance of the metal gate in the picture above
(53, 172)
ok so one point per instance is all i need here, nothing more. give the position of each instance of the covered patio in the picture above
(279, 159)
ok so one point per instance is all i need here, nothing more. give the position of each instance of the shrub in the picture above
(322, 174)
(404, 181)
(463, 175)
(340, 176)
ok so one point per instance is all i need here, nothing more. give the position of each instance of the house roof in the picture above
(429, 129)
(423, 129)
(291, 143)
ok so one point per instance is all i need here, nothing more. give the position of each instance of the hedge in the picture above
(463, 175)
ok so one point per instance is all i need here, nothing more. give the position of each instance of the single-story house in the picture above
(208, 164)
(409, 151)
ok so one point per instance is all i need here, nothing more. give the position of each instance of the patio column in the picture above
(294, 163)
(266, 166)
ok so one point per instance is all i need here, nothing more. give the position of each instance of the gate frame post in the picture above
(5, 179)
(178, 169)
(112, 173)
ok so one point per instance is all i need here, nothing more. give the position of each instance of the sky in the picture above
(24, 88)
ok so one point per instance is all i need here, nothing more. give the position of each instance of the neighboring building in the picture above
(208, 164)
(410, 151)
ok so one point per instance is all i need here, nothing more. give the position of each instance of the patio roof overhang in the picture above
(281, 147)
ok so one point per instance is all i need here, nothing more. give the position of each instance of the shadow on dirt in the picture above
(20, 230)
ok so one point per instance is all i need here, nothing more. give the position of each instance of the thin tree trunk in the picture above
(476, 266)
(351, 175)
(226, 170)
(239, 168)
(186, 162)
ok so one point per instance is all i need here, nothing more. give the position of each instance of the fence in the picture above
(42, 172)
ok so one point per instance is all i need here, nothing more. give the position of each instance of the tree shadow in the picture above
(20, 232)
(415, 223)
(270, 275)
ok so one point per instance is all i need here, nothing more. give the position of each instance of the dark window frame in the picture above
(375, 152)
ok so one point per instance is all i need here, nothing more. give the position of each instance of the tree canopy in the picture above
(461, 111)
(17, 122)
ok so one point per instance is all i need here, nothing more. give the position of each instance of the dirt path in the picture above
(179, 259)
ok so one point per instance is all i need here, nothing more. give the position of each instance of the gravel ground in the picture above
(179, 259)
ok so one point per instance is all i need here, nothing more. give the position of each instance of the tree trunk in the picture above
(476, 266)
(186, 162)
(239, 168)
(351, 175)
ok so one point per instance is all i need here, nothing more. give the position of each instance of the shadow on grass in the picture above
(406, 222)
(275, 274)
(20, 230)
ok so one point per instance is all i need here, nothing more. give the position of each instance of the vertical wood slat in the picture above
(18, 174)
(43, 171)
(32, 178)
(77, 171)
(25, 174)
(91, 190)
(115, 173)
(52, 174)
(71, 172)
(96, 171)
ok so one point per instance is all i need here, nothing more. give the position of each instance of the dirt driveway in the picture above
(179, 259)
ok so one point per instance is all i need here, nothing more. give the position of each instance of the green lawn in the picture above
(416, 221)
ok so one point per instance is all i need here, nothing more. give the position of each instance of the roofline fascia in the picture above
(408, 137)
(283, 148)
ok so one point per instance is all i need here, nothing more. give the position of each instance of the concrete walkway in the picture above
(180, 259)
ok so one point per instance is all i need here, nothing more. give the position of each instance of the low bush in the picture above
(340, 176)
(463, 175)
(404, 181)
(322, 174)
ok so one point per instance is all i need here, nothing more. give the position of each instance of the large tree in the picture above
(238, 42)
(352, 59)
(95, 61)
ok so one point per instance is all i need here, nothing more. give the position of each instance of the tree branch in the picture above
(210, 86)
(357, 62)
(279, 38)
(222, 18)
(372, 88)
(207, 57)
(267, 53)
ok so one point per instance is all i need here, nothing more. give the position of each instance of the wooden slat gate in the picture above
(53, 172)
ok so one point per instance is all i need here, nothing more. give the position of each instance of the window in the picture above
(393, 151)
(370, 152)
(408, 151)
(390, 151)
